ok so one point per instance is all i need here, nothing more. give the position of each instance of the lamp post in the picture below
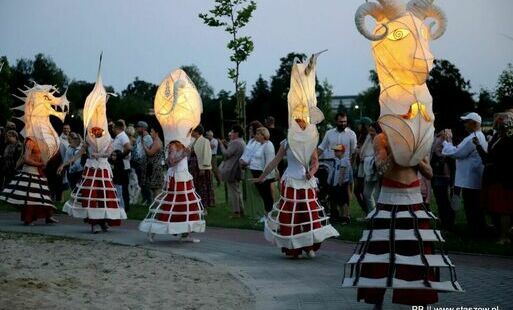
(357, 107)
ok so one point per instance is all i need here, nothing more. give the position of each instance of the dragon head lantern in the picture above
(178, 107)
(400, 46)
(40, 103)
(303, 112)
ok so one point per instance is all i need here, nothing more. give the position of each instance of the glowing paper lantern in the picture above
(178, 107)
(302, 103)
(40, 104)
(95, 117)
(400, 45)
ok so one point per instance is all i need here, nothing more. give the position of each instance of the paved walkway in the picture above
(281, 283)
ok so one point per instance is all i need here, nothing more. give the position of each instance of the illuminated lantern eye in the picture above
(424, 34)
(46, 97)
(398, 34)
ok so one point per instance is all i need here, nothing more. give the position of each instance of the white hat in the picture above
(472, 116)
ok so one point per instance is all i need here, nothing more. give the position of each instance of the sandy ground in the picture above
(40, 272)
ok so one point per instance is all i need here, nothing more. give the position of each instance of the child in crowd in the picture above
(339, 181)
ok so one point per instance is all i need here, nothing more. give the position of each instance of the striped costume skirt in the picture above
(400, 250)
(95, 198)
(297, 221)
(177, 209)
(29, 190)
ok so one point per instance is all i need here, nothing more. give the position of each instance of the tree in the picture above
(504, 91)
(325, 93)
(6, 100)
(205, 90)
(234, 15)
(451, 94)
(135, 100)
(486, 105)
(368, 100)
(259, 104)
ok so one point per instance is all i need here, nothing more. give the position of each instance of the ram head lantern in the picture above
(400, 46)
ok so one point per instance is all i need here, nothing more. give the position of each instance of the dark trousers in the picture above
(264, 189)
(124, 184)
(339, 197)
(473, 211)
(359, 184)
(445, 211)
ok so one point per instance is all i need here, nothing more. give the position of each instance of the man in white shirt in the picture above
(469, 168)
(122, 143)
(341, 134)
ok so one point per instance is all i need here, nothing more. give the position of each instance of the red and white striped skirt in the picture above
(298, 222)
(176, 210)
(95, 198)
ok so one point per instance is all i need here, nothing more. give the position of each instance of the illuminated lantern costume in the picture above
(298, 223)
(95, 198)
(29, 188)
(398, 249)
(177, 209)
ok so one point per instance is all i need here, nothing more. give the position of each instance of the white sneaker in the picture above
(151, 237)
(311, 254)
(189, 239)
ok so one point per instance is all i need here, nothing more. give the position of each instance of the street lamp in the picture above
(357, 107)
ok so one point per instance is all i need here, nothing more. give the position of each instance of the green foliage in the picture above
(368, 100)
(6, 100)
(486, 105)
(451, 94)
(325, 92)
(234, 15)
(259, 104)
(205, 90)
(504, 91)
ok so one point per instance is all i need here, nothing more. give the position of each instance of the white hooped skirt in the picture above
(177, 209)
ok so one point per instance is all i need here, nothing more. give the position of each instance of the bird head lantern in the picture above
(40, 103)
(178, 107)
(303, 112)
(400, 46)
(95, 117)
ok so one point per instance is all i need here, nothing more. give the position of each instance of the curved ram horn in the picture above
(424, 9)
(369, 9)
(391, 8)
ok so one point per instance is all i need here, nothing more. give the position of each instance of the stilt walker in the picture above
(29, 189)
(177, 210)
(298, 223)
(401, 249)
(95, 198)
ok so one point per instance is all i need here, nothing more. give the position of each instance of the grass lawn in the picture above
(219, 216)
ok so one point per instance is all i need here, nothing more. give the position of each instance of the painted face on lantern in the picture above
(403, 54)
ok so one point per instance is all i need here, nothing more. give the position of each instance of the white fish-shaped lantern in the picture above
(302, 103)
(178, 107)
(39, 103)
(400, 45)
(95, 117)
